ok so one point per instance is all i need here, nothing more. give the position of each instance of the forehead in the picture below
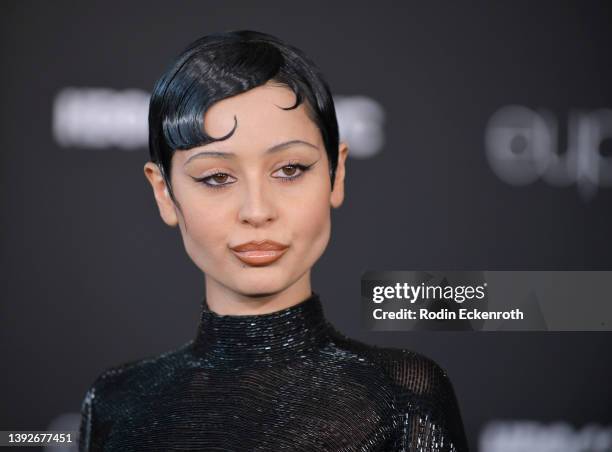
(261, 120)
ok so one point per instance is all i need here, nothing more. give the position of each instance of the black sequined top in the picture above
(280, 381)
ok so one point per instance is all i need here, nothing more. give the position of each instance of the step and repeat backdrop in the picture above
(480, 140)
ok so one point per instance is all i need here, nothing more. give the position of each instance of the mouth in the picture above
(259, 253)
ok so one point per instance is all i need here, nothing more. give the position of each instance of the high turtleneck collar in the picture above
(261, 338)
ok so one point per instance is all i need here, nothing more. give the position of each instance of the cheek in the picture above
(311, 219)
(204, 232)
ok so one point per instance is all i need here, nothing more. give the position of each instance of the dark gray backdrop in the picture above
(92, 277)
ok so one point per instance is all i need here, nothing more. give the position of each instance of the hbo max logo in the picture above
(522, 146)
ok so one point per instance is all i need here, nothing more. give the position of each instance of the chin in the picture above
(259, 285)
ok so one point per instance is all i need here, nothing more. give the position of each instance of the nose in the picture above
(257, 207)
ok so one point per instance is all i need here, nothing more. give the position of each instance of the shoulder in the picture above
(410, 371)
(133, 376)
(118, 389)
(424, 393)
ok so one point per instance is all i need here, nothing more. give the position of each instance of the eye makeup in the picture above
(209, 181)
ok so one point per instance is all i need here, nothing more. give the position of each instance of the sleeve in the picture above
(86, 425)
(431, 419)
(99, 408)
(94, 425)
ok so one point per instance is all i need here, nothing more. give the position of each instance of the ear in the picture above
(160, 191)
(337, 194)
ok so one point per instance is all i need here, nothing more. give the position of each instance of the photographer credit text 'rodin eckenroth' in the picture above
(486, 300)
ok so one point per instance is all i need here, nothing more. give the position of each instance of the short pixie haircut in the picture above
(221, 65)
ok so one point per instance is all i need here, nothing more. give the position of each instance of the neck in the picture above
(221, 300)
(261, 338)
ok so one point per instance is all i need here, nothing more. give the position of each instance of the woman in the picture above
(246, 160)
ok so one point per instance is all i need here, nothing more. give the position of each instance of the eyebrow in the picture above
(229, 155)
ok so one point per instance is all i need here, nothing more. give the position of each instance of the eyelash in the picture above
(303, 169)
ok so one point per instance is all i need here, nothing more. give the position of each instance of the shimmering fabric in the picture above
(281, 381)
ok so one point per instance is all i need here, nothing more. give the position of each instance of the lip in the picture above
(258, 253)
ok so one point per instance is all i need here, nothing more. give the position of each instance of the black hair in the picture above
(222, 65)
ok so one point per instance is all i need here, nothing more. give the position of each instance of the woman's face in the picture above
(268, 181)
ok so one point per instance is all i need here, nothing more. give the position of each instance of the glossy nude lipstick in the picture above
(259, 253)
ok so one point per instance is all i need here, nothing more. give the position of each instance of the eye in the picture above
(292, 171)
(217, 180)
(221, 180)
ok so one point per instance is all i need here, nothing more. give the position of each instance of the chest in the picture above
(304, 407)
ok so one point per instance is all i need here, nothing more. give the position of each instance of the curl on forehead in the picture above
(261, 116)
(222, 65)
